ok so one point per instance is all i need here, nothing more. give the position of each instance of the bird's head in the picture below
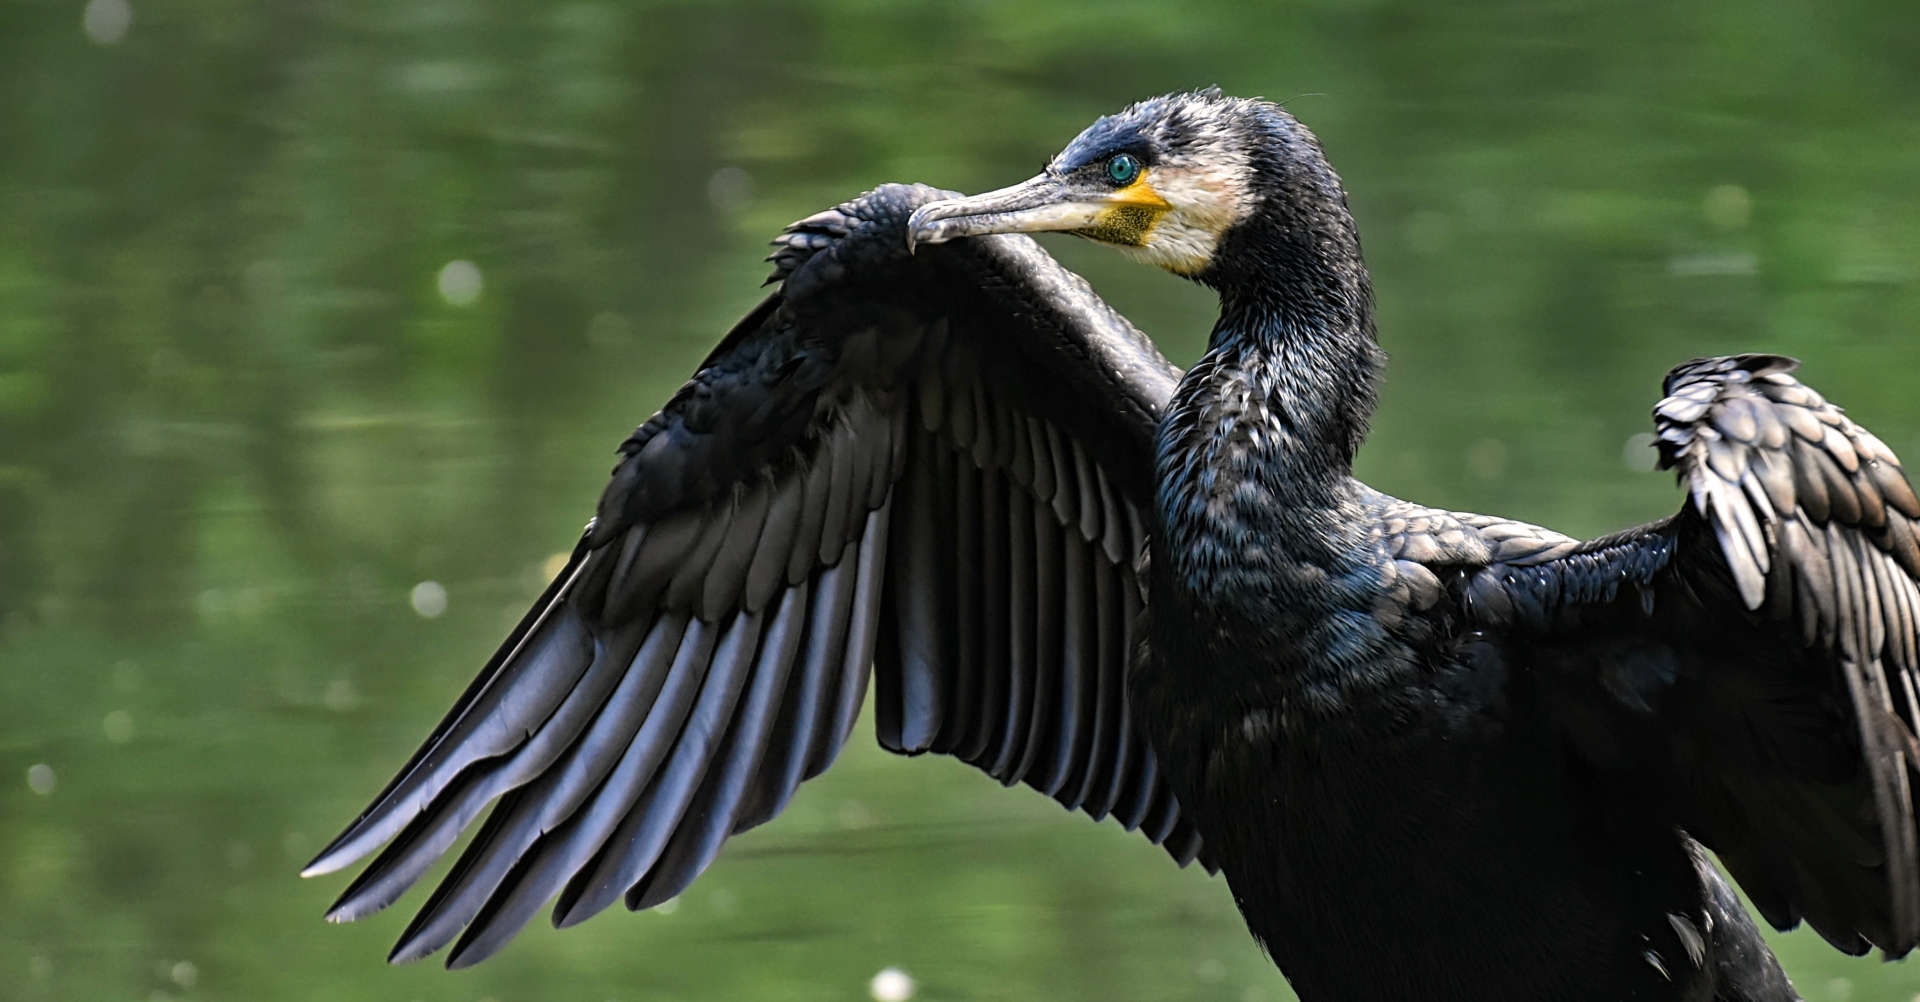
(1166, 181)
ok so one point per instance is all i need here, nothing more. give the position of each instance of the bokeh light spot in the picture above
(609, 330)
(1638, 453)
(40, 778)
(891, 985)
(428, 598)
(341, 695)
(1728, 206)
(730, 189)
(461, 283)
(107, 21)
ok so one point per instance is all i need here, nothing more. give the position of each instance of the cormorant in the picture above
(1437, 755)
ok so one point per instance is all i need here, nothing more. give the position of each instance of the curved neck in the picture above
(1313, 342)
(1296, 319)
(1294, 294)
(1256, 451)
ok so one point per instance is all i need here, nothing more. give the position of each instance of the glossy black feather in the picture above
(715, 814)
(814, 502)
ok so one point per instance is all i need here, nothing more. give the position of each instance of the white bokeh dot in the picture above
(730, 189)
(340, 695)
(891, 985)
(428, 598)
(107, 21)
(1728, 206)
(461, 282)
(40, 778)
(1638, 453)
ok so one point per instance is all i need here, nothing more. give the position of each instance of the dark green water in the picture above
(240, 422)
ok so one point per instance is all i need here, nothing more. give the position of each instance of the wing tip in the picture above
(580, 901)
(345, 910)
(339, 855)
(475, 947)
(408, 951)
(320, 867)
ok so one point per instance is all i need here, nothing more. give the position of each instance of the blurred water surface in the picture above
(319, 322)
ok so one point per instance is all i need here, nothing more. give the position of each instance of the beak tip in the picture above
(921, 229)
(1036, 205)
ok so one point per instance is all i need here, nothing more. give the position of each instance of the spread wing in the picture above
(1815, 525)
(934, 465)
(1752, 658)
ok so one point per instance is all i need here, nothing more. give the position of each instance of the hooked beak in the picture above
(1043, 204)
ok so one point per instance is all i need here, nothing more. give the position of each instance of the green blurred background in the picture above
(249, 403)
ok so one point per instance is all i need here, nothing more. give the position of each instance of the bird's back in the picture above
(1394, 806)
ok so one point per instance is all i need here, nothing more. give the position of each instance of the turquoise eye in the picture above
(1123, 168)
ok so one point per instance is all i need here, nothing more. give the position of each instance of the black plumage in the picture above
(1437, 755)
(875, 467)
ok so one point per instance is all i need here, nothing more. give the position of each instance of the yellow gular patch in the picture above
(1127, 215)
(1125, 225)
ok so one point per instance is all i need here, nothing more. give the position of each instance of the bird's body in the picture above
(1408, 826)
(1381, 784)
(1438, 756)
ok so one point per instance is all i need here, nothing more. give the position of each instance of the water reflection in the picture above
(318, 324)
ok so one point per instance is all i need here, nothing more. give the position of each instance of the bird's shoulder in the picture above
(1438, 538)
(1495, 571)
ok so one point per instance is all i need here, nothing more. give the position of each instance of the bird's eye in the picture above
(1123, 168)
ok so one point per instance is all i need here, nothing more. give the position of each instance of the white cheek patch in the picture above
(1206, 195)
(1176, 245)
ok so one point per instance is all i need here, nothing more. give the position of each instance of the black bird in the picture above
(1438, 756)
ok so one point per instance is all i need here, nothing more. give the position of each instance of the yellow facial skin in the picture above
(1171, 217)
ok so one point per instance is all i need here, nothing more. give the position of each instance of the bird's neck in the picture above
(1256, 452)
